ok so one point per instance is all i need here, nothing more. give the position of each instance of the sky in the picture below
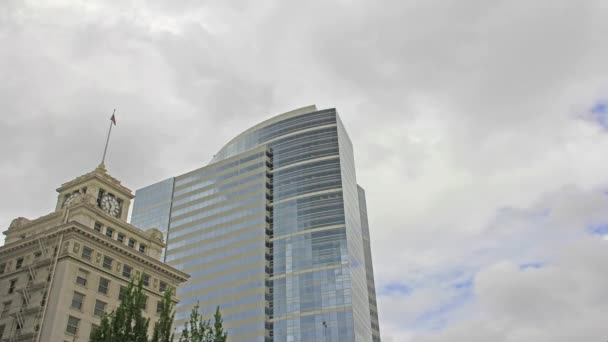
(480, 131)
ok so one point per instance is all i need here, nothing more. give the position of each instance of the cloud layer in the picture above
(478, 126)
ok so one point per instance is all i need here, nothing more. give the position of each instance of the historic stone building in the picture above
(61, 272)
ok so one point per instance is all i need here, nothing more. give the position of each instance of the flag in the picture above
(113, 119)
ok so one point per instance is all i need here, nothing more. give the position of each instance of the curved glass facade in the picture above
(318, 256)
(302, 234)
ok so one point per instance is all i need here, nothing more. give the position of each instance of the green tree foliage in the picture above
(163, 328)
(198, 330)
(219, 334)
(127, 323)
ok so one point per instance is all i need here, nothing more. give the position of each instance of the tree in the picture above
(219, 334)
(198, 330)
(127, 323)
(163, 328)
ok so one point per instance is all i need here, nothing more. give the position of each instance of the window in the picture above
(77, 300)
(104, 284)
(159, 306)
(132, 243)
(97, 227)
(81, 277)
(109, 232)
(43, 300)
(162, 287)
(145, 303)
(93, 328)
(122, 293)
(126, 271)
(37, 255)
(87, 252)
(11, 286)
(100, 308)
(72, 327)
(2, 268)
(1, 331)
(5, 309)
(142, 248)
(146, 279)
(107, 262)
(19, 263)
(120, 237)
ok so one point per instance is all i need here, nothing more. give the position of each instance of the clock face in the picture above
(70, 199)
(110, 204)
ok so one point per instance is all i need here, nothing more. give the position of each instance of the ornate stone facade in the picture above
(60, 272)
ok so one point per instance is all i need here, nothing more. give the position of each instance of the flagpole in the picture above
(107, 140)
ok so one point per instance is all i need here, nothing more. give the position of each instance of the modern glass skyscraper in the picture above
(274, 230)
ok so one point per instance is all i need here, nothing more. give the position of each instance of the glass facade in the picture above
(272, 230)
(369, 266)
(152, 209)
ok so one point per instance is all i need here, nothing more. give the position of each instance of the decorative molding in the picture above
(19, 222)
(100, 174)
(71, 228)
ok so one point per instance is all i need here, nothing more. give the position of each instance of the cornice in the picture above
(85, 207)
(99, 174)
(19, 223)
(94, 212)
(78, 228)
(129, 252)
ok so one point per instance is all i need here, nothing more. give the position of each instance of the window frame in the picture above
(109, 265)
(6, 307)
(93, 328)
(125, 266)
(86, 277)
(145, 279)
(90, 255)
(96, 309)
(122, 292)
(76, 293)
(71, 319)
(107, 287)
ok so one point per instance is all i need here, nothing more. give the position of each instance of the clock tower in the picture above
(99, 189)
(67, 269)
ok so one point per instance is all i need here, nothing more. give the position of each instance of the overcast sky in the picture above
(480, 131)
